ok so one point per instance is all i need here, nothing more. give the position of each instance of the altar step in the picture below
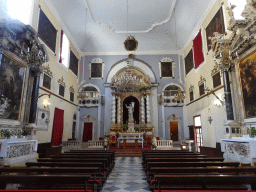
(128, 153)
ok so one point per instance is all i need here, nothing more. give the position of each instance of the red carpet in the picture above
(204, 190)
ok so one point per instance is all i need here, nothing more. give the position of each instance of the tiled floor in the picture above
(127, 175)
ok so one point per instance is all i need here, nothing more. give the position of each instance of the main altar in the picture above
(131, 114)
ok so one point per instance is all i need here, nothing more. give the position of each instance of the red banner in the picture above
(198, 50)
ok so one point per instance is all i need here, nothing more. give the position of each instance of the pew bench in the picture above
(48, 181)
(202, 182)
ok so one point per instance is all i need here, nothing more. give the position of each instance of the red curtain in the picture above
(198, 50)
(57, 130)
(61, 39)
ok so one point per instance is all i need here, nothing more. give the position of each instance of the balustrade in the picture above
(95, 144)
(164, 144)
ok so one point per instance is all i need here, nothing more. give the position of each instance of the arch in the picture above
(87, 85)
(176, 84)
(136, 112)
(136, 64)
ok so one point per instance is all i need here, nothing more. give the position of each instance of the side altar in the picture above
(242, 149)
(14, 150)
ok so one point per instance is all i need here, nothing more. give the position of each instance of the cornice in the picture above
(110, 27)
(179, 52)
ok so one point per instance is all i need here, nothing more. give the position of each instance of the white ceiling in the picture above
(160, 26)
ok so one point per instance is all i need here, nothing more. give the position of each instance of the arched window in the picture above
(173, 96)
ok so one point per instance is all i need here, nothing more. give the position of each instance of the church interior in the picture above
(159, 91)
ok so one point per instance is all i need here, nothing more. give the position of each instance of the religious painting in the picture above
(11, 86)
(46, 31)
(96, 70)
(61, 90)
(248, 82)
(201, 90)
(216, 25)
(130, 44)
(166, 69)
(47, 81)
(73, 63)
(189, 62)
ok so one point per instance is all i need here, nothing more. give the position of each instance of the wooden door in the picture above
(57, 130)
(87, 135)
(174, 131)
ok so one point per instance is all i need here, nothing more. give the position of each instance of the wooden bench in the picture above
(47, 181)
(203, 182)
(190, 164)
(111, 162)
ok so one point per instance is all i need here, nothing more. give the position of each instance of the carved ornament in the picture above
(47, 70)
(61, 81)
(71, 89)
(191, 88)
(202, 81)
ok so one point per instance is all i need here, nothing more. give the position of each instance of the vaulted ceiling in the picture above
(160, 26)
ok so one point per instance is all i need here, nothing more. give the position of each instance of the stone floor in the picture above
(127, 175)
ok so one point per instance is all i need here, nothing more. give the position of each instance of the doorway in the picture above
(174, 131)
(57, 130)
(87, 135)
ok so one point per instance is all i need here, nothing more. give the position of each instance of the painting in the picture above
(189, 62)
(247, 69)
(73, 63)
(11, 86)
(216, 80)
(216, 25)
(47, 81)
(46, 31)
(96, 70)
(166, 69)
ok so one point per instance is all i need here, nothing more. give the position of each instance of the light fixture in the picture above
(179, 96)
(46, 104)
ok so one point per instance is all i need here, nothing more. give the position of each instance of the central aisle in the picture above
(127, 175)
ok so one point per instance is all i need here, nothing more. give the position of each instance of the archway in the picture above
(136, 113)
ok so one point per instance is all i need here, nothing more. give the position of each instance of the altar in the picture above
(132, 138)
(242, 149)
(14, 150)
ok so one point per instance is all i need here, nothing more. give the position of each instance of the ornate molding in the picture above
(167, 59)
(97, 60)
(174, 117)
(191, 88)
(110, 24)
(71, 89)
(88, 118)
(215, 70)
(61, 81)
(202, 81)
(47, 70)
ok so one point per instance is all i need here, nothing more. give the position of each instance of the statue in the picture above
(130, 110)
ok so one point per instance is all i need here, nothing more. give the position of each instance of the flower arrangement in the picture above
(24, 131)
(7, 134)
(154, 146)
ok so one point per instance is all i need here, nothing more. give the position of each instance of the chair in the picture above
(101, 139)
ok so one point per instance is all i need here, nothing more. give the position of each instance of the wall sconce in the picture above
(210, 119)
(46, 104)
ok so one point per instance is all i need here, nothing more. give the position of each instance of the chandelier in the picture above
(128, 82)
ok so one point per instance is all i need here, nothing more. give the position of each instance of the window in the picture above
(189, 62)
(61, 90)
(47, 81)
(240, 5)
(201, 85)
(191, 95)
(201, 90)
(216, 80)
(64, 49)
(72, 93)
(198, 133)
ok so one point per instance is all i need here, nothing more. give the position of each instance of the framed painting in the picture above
(73, 63)
(12, 75)
(166, 69)
(96, 70)
(216, 25)
(189, 62)
(247, 69)
(46, 31)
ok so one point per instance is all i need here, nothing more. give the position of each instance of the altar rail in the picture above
(95, 144)
(73, 143)
(164, 144)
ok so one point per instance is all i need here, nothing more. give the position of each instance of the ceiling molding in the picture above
(110, 27)
(63, 26)
(135, 53)
(198, 26)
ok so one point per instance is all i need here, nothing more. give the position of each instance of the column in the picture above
(119, 110)
(142, 110)
(148, 109)
(34, 96)
(228, 97)
(113, 116)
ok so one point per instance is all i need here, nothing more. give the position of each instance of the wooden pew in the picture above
(190, 164)
(46, 181)
(112, 162)
(203, 182)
